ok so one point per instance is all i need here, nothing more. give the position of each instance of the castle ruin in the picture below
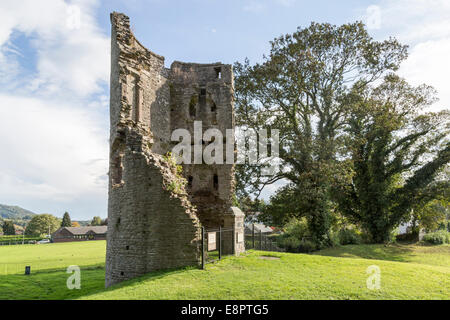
(155, 213)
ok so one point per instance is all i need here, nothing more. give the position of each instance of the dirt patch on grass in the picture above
(269, 258)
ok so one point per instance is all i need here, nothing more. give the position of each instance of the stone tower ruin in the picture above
(155, 213)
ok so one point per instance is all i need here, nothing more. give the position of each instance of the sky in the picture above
(55, 65)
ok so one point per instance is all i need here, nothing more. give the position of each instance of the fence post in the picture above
(220, 242)
(260, 239)
(234, 241)
(253, 237)
(203, 248)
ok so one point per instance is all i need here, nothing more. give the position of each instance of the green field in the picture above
(423, 254)
(407, 272)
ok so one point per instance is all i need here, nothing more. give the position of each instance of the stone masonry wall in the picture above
(154, 214)
(150, 226)
(204, 92)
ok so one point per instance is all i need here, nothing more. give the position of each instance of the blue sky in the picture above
(54, 74)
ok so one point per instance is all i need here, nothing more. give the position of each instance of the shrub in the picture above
(293, 238)
(409, 237)
(438, 237)
(393, 236)
(297, 228)
(334, 239)
(306, 246)
(295, 245)
(349, 236)
(288, 242)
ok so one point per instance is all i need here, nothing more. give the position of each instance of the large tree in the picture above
(397, 152)
(42, 224)
(8, 228)
(66, 221)
(301, 89)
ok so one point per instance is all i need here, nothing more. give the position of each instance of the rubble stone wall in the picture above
(155, 212)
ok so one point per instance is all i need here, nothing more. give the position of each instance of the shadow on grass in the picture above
(151, 276)
(51, 283)
(395, 252)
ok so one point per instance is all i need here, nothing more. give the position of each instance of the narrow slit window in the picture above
(218, 73)
(117, 171)
(192, 111)
(216, 182)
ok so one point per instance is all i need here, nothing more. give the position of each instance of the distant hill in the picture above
(15, 213)
(82, 223)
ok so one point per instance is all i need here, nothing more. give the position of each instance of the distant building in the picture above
(67, 234)
(19, 230)
(259, 227)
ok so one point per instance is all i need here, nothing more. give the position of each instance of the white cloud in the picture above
(53, 128)
(428, 63)
(51, 150)
(72, 52)
(425, 27)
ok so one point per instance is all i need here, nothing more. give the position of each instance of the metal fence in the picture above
(217, 243)
(220, 242)
(260, 241)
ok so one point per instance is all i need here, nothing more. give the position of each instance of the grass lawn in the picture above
(251, 276)
(49, 263)
(40, 257)
(423, 254)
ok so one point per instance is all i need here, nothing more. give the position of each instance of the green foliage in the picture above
(289, 243)
(297, 228)
(397, 153)
(283, 207)
(42, 224)
(438, 237)
(18, 239)
(174, 186)
(431, 216)
(307, 246)
(66, 221)
(178, 182)
(334, 239)
(96, 221)
(407, 237)
(8, 228)
(349, 236)
(296, 237)
(300, 89)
